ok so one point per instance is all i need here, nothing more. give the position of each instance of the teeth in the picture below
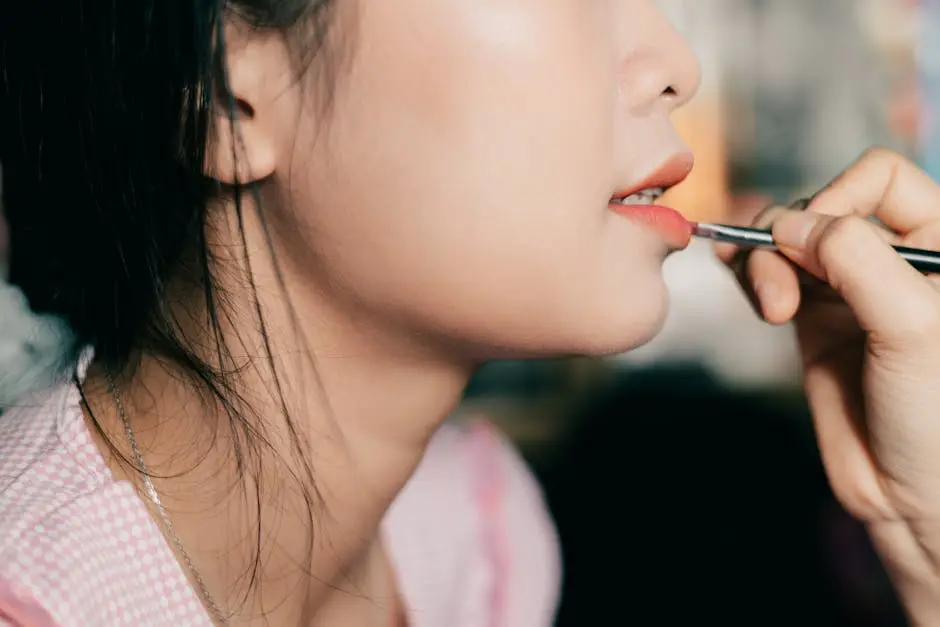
(637, 199)
(643, 197)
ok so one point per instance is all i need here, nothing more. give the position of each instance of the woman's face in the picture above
(457, 190)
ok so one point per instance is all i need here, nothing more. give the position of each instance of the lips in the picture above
(635, 203)
(668, 224)
(672, 172)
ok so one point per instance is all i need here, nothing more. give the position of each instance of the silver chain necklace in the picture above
(155, 498)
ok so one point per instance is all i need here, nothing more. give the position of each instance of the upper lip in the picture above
(673, 171)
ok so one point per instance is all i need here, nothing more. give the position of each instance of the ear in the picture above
(243, 142)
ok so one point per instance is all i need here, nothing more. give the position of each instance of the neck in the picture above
(336, 416)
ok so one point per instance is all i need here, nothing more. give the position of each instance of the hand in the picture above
(871, 356)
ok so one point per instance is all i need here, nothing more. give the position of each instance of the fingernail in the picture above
(792, 229)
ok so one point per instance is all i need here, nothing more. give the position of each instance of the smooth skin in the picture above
(435, 184)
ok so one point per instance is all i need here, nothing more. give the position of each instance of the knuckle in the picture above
(862, 503)
(859, 492)
(767, 216)
(879, 158)
(880, 154)
(841, 234)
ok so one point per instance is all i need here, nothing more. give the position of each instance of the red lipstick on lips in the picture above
(669, 223)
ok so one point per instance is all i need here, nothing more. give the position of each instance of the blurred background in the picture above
(684, 477)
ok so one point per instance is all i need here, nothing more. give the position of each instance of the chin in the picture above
(637, 325)
(601, 329)
(628, 311)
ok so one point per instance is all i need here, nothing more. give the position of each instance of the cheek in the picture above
(466, 175)
(480, 100)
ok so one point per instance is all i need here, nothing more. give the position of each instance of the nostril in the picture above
(670, 92)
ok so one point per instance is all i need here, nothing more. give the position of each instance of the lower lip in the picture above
(668, 223)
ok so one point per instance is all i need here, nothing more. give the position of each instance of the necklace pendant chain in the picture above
(154, 497)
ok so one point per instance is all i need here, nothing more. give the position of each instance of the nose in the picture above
(658, 68)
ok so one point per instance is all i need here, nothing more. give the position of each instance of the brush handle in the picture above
(927, 261)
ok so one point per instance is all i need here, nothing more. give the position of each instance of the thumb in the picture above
(890, 299)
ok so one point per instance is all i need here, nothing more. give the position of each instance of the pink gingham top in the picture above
(469, 536)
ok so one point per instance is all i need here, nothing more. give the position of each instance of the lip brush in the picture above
(927, 261)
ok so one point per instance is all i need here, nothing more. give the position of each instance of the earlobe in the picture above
(242, 143)
(240, 150)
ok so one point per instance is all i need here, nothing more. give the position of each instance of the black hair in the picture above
(106, 111)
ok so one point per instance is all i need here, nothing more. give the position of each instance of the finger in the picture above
(927, 237)
(727, 253)
(843, 447)
(885, 185)
(748, 212)
(775, 285)
(771, 280)
(891, 301)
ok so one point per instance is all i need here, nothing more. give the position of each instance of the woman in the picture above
(282, 235)
(289, 231)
